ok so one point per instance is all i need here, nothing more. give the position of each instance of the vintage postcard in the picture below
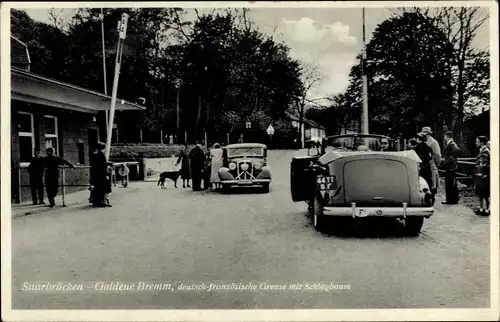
(257, 161)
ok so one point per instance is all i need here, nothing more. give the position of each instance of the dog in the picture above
(172, 175)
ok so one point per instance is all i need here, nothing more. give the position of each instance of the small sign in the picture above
(270, 130)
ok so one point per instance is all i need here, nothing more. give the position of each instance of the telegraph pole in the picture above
(104, 63)
(122, 31)
(364, 114)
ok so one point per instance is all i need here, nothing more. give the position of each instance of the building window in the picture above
(26, 136)
(81, 154)
(50, 130)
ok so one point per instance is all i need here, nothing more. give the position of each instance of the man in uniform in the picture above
(35, 170)
(52, 163)
(450, 166)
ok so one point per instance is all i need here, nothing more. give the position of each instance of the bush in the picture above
(145, 150)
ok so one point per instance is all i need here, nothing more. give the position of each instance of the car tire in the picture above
(265, 188)
(224, 188)
(318, 218)
(413, 225)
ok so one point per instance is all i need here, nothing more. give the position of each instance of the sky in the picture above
(329, 38)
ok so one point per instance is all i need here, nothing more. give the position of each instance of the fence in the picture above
(75, 180)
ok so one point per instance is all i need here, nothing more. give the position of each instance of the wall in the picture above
(72, 129)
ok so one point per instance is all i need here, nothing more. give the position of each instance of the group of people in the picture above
(429, 151)
(47, 168)
(198, 166)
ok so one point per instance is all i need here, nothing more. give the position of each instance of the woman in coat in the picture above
(216, 163)
(482, 176)
(185, 171)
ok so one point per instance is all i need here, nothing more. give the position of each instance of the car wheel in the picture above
(318, 218)
(224, 188)
(265, 188)
(413, 225)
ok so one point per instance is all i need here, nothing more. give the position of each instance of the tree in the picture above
(310, 77)
(407, 76)
(467, 67)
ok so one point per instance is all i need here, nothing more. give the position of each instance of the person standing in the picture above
(185, 166)
(424, 152)
(450, 166)
(171, 139)
(482, 176)
(197, 158)
(216, 155)
(52, 163)
(35, 170)
(99, 177)
(436, 159)
(207, 165)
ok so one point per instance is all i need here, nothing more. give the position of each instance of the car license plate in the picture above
(245, 182)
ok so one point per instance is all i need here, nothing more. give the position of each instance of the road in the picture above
(179, 236)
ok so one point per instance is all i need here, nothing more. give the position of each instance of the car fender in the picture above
(265, 173)
(224, 174)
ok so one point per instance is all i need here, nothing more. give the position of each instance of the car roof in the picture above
(246, 145)
(334, 155)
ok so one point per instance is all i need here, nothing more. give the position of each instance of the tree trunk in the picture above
(198, 115)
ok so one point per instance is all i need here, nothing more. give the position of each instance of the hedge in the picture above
(145, 150)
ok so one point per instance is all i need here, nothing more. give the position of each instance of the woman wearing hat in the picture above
(99, 178)
(482, 176)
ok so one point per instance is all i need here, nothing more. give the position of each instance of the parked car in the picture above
(245, 165)
(351, 178)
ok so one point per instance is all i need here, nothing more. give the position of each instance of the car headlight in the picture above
(258, 165)
(232, 166)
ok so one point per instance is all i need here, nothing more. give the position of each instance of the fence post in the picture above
(185, 136)
(161, 136)
(63, 186)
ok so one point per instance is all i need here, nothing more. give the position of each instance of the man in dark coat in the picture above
(450, 166)
(197, 158)
(424, 152)
(99, 177)
(52, 163)
(35, 170)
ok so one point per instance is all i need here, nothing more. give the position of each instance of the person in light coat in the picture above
(216, 155)
(436, 159)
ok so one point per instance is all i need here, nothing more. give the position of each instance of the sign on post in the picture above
(270, 130)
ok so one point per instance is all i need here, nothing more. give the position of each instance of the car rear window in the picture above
(376, 181)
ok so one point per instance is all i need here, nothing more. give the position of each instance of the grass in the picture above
(146, 150)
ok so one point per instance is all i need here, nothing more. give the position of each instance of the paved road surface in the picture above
(180, 236)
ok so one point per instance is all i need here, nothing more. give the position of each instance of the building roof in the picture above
(306, 121)
(34, 88)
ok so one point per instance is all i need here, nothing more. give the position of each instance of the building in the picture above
(310, 129)
(49, 113)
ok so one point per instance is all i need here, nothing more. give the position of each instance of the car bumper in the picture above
(246, 182)
(361, 212)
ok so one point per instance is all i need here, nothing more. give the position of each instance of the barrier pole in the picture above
(63, 186)
(19, 184)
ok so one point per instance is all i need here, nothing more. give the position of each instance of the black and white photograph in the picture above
(250, 161)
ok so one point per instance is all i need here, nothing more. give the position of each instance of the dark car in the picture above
(245, 164)
(352, 178)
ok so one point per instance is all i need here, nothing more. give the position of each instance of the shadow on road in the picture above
(380, 228)
(242, 190)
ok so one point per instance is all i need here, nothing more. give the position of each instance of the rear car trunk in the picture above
(376, 182)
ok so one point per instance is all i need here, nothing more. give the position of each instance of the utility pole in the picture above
(122, 31)
(104, 63)
(364, 114)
